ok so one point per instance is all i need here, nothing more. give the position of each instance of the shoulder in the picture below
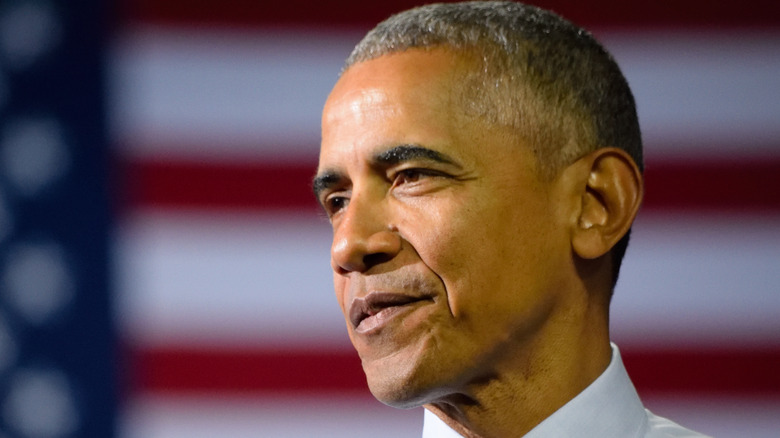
(660, 427)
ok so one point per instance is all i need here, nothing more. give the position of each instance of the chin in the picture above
(402, 386)
(398, 396)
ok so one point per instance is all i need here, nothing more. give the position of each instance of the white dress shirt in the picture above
(608, 408)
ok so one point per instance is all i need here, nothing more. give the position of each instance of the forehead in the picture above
(433, 72)
(408, 97)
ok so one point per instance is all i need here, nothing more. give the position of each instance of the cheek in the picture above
(446, 240)
(429, 228)
(492, 249)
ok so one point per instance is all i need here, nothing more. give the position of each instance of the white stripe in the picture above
(227, 280)
(696, 280)
(359, 417)
(718, 416)
(330, 416)
(237, 94)
(715, 92)
(227, 94)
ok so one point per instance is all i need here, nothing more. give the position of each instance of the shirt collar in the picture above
(608, 407)
(434, 427)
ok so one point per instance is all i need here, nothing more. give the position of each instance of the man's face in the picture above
(447, 247)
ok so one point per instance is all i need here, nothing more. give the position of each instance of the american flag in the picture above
(222, 293)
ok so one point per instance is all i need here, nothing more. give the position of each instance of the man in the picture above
(481, 168)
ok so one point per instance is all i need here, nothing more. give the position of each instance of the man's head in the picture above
(476, 187)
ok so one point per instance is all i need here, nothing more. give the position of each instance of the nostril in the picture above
(340, 271)
(370, 260)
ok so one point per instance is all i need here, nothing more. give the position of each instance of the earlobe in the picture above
(610, 199)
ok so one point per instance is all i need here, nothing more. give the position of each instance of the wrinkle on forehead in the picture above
(361, 105)
(354, 107)
(365, 85)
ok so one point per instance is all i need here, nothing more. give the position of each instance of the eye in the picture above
(335, 203)
(408, 176)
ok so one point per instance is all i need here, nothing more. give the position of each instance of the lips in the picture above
(375, 305)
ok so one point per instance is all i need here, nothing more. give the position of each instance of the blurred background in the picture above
(164, 269)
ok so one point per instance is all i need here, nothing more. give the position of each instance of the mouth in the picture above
(371, 311)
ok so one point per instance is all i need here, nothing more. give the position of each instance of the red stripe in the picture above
(180, 370)
(749, 371)
(736, 186)
(253, 13)
(219, 186)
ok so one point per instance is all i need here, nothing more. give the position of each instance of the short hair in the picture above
(537, 72)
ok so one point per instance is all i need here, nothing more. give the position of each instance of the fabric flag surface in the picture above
(223, 287)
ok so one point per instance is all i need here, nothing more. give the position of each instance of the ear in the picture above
(610, 196)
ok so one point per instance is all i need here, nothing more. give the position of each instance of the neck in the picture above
(530, 383)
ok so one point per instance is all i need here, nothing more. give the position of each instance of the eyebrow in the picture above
(324, 181)
(408, 152)
(390, 157)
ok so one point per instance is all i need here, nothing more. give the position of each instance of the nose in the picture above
(364, 238)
